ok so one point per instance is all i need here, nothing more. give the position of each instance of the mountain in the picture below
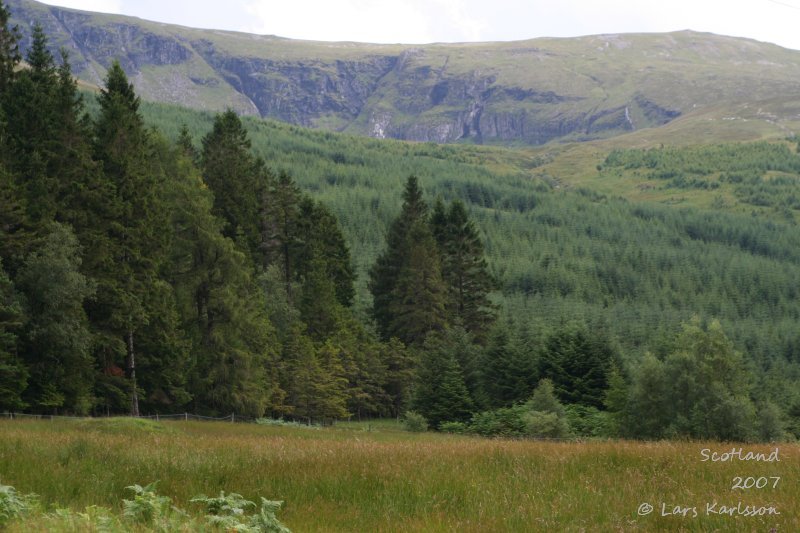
(525, 92)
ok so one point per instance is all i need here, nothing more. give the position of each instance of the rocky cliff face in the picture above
(530, 93)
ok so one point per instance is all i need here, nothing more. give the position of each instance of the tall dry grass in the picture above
(350, 479)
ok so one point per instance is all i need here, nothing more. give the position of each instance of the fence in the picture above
(179, 416)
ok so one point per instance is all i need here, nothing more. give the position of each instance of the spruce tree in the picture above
(13, 374)
(409, 295)
(418, 299)
(9, 49)
(221, 308)
(464, 268)
(238, 181)
(440, 394)
(127, 241)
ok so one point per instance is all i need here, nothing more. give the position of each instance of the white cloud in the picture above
(423, 21)
(379, 21)
(102, 6)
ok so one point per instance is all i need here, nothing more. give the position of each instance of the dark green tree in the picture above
(57, 339)
(238, 181)
(418, 299)
(233, 346)
(464, 268)
(320, 238)
(577, 362)
(128, 239)
(9, 49)
(440, 394)
(13, 374)
(385, 273)
(508, 372)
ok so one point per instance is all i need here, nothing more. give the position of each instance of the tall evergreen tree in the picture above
(418, 299)
(13, 374)
(408, 293)
(129, 240)
(464, 268)
(238, 181)
(233, 345)
(321, 239)
(31, 107)
(9, 49)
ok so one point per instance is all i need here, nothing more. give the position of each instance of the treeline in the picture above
(139, 275)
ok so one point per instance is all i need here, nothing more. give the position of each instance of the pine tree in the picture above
(31, 108)
(440, 394)
(508, 374)
(221, 308)
(13, 374)
(128, 241)
(418, 299)
(578, 364)
(238, 181)
(9, 49)
(464, 269)
(321, 239)
(385, 273)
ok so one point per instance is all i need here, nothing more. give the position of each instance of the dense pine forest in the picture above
(157, 259)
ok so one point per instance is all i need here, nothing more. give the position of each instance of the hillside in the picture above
(526, 92)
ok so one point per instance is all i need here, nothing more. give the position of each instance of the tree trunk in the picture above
(132, 372)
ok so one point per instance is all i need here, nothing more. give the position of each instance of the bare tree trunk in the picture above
(132, 371)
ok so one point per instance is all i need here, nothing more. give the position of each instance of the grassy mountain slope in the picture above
(525, 92)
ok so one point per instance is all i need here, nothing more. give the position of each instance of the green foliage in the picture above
(415, 422)
(464, 268)
(227, 512)
(762, 173)
(701, 390)
(151, 510)
(14, 505)
(577, 363)
(441, 394)
(453, 427)
(57, 338)
(502, 422)
(9, 49)
(13, 372)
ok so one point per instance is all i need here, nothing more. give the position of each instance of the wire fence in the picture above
(233, 417)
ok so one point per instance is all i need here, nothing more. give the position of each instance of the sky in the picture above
(426, 21)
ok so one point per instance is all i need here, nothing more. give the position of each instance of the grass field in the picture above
(376, 477)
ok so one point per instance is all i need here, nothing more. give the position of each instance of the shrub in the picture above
(415, 422)
(453, 427)
(503, 422)
(539, 424)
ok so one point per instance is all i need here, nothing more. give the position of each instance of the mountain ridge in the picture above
(509, 92)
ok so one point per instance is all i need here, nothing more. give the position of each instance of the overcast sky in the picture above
(425, 21)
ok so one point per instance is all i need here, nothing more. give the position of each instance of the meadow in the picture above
(377, 477)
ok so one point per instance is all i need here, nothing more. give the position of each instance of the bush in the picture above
(588, 421)
(546, 425)
(415, 422)
(503, 422)
(453, 427)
